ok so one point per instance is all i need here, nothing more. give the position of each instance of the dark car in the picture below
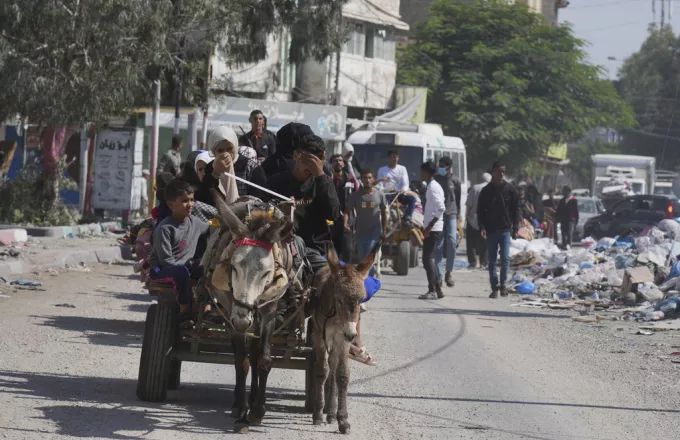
(632, 213)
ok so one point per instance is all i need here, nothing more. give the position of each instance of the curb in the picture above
(65, 231)
(60, 259)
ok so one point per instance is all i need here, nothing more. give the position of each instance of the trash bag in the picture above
(605, 243)
(669, 226)
(675, 271)
(624, 261)
(672, 284)
(526, 288)
(588, 242)
(642, 243)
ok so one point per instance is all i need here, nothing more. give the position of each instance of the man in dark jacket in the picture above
(567, 215)
(498, 217)
(316, 201)
(448, 241)
(345, 184)
(259, 138)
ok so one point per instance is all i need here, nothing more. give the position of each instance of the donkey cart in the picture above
(165, 346)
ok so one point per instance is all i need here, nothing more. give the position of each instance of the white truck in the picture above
(664, 182)
(619, 175)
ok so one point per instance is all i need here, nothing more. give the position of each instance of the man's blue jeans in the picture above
(447, 240)
(364, 247)
(179, 276)
(496, 241)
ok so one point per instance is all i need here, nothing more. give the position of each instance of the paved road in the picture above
(463, 367)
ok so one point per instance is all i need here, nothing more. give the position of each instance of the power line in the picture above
(598, 5)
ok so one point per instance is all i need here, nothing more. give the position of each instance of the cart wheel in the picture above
(310, 378)
(154, 365)
(401, 262)
(174, 375)
(413, 257)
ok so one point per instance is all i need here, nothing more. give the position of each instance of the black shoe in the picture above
(449, 279)
(440, 294)
(504, 291)
(494, 293)
(185, 320)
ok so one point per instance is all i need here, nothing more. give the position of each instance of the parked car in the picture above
(634, 213)
(588, 207)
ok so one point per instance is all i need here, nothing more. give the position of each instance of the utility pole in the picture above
(154, 144)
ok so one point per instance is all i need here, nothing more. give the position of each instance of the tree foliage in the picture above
(68, 62)
(650, 83)
(506, 82)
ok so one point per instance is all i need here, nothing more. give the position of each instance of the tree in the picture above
(67, 62)
(650, 83)
(506, 82)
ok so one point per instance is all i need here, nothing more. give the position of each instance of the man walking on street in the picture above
(370, 207)
(259, 138)
(567, 215)
(474, 242)
(171, 161)
(434, 226)
(498, 217)
(345, 185)
(448, 240)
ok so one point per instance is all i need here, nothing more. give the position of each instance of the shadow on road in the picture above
(88, 407)
(101, 331)
(468, 312)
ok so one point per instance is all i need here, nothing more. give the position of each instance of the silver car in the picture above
(588, 207)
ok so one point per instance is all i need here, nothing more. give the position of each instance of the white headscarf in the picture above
(220, 134)
(347, 148)
(486, 177)
(205, 157)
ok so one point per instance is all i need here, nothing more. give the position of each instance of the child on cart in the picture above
(174, 246)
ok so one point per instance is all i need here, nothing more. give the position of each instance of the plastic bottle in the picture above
(567, 295)
(654, 316)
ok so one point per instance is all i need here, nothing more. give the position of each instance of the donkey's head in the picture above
(345, 290)
(251, 264)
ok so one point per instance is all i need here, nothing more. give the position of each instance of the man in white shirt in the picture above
(394, 177)
(434, 227)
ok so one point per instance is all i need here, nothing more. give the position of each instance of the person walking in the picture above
(171, 162)
(259, 138)
(345, 184)
(567, 215)
(449, 237)
(434, 212)
(476, 244)
(370, 208)
(498, 217)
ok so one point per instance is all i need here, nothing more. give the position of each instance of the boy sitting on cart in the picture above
(174, 246)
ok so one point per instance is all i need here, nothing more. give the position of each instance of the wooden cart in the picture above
(165, 346)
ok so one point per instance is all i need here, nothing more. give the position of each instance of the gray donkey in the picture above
(340, 290)
(247, 271)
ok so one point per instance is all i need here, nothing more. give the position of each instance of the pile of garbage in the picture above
(640, 271)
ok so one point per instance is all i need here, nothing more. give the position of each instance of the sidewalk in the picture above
(43, 253)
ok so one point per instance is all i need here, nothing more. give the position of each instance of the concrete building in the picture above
(364, 81)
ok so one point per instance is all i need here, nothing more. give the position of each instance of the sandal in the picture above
(364, 357)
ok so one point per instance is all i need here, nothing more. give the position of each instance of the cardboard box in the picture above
(634, 276)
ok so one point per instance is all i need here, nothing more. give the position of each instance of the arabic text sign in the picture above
(117, 161)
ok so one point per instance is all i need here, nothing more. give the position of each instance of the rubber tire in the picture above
(413, 257)
(310, 379)
(154, 365)
(174, 374)
(401, 261)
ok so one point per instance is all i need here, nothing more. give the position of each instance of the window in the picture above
(355, 44)
(623, 209)
(380, 44)
(456, 168)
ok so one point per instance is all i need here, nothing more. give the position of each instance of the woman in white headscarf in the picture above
(223, 145)
(201, 163)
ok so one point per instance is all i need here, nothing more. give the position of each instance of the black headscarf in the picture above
(286, 139)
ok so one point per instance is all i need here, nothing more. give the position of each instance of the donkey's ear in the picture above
(333, 260)
(228, 217)
(365, 266)
(280, 230)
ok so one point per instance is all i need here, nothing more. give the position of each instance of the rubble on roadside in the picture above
(629, 277)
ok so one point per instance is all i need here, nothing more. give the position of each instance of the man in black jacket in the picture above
(448, 241)
(259, 138)
(498, 217)
(316, 201)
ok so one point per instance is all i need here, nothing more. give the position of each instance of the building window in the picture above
(356, 42)
(380, 44)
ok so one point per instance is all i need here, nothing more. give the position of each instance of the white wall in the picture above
(366, 82)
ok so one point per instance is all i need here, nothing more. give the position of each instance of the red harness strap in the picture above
(253, 242)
